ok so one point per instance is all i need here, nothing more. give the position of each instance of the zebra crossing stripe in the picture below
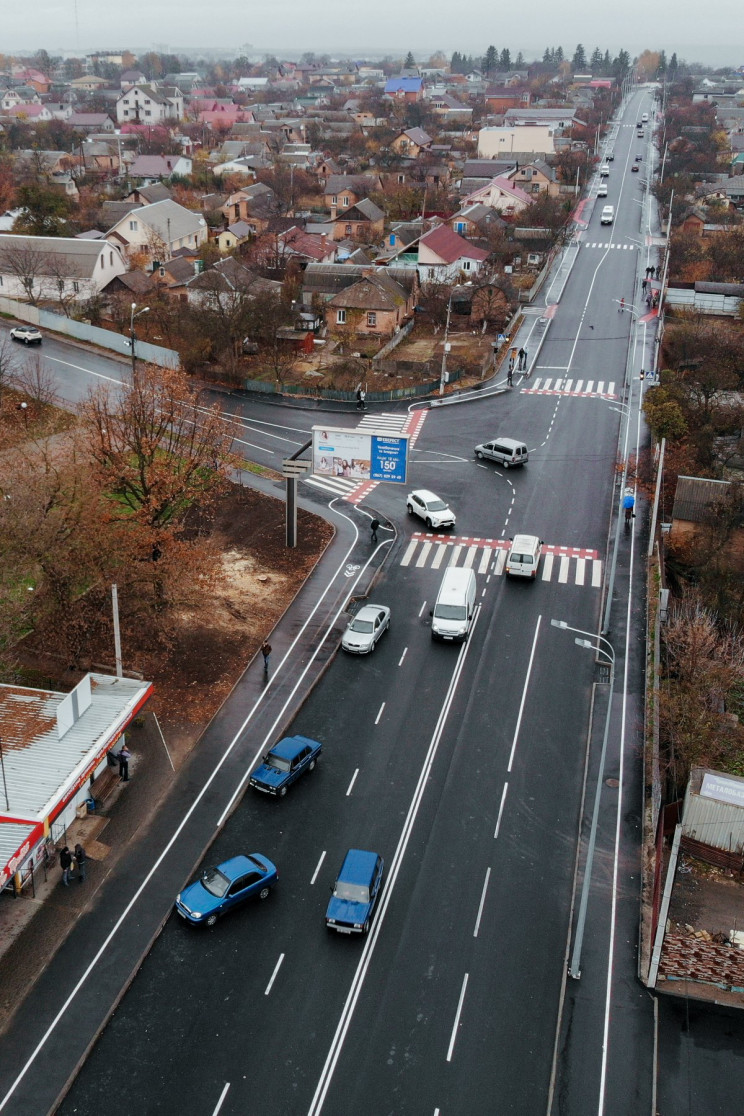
(456, 551)
(485, 559)
(580, 570)
(547, 569)
(579, 385)
(441, 551)
(596, 573)
(410, 551)
(498, 566)
(563, 571)
(421, 561)
(470, 557)
(590, 385)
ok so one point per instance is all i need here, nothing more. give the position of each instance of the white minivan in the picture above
(604, 170)
(453, 613)
(523, 559)
(608, 215)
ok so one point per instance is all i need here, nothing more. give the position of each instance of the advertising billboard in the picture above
(359, 454)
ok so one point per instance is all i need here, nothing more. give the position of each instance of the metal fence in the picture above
(416, 392)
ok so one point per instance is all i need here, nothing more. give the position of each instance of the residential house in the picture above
(130, 78)
(255, 204)
(444, 256)
(88, 83)
(409, 89)
(734, 190)
(12, 98)
(149, 104)
(411, 142)
(363, 221)
(146, 195)
(375, 306)
(245, 165)
(341, 191)
(234, 235)
(450, 110)
(699, 504)
(306, 247)
(534, 178)
(500, 194)
(155, 167)
(91, 122)
(558, 119)
(47, 267)
(33, 79)
(97, 157)
(154, 232)
(175, 274)
(473, 221)
(38, 113)
(479, 172)
(228, 283)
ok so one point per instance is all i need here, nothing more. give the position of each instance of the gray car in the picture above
(365, 628)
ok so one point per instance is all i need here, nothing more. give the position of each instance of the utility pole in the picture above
(445, 348)
(133, 336)
(5, 785)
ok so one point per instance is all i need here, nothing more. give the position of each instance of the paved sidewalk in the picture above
(64, 973)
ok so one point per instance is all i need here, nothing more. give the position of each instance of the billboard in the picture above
(359, 454)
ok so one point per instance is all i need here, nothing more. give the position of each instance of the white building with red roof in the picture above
(500, 194)
(444, 256)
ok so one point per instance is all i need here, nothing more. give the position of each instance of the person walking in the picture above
(80, 860)
(373, 527)
(644, 284)
(266, 652)
(628, 506)
(65, 863)
(522, 358)
(124, 757)
(361, 395)
(510, 376)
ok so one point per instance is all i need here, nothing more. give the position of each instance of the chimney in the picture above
(333, 213)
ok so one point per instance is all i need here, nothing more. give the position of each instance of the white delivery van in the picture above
(608, 215)
(524, 556)
(453, 613)
(644, 118)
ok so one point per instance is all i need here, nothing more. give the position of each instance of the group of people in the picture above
(70, 861)
(518, 357)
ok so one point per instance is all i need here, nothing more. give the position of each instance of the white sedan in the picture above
(365, 628)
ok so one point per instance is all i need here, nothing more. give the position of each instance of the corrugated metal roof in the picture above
(694, 496)
(710, 820)
(12, 836)
(39, 766)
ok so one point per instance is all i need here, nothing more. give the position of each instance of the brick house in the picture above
(375, 306)
(363, 221)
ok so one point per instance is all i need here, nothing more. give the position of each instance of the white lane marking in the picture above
(501, 810)
(546, 385)
(580, 570)
(315, 873)
(421, 610)
(600, 387)
(377, 718)
(547, 572)
(410, 551)
(456, 1025)
(405, 650)
(470, 557)
(223, 1094)
(334, 1052)
(274, 974)
(438, 556)
(590, 385)
(498, 566)
(421, 560)
(483, 591)
(353, 780)
(596, 573)
(456, 551)
(524, 692)
(482, 902)
(89, 371)
(563, 571)
(485, 559)
(579, 385)
(611, 388)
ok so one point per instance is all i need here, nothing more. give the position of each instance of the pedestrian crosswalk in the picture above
(564, 386)
(562, 564)
(392, 422)
(610, 244)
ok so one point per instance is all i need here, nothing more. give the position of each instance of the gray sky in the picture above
(386, 26)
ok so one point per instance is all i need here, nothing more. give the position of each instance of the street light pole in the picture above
(574, 969)
(133, 336)
(445, 348)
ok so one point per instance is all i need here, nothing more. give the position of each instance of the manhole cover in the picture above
(612, 782)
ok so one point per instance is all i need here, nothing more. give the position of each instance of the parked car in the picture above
(635, 168)
(29, 335)
(602, 190)
(284, 763)
(220, 889)
(604, 171)
(355, 892)
(365, 628)
(428, 506)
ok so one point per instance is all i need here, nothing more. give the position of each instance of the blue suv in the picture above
(355, 892)
(287, 760)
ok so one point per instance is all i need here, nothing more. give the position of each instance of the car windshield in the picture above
(450, 612)
(354, 893)
(279, 762)
(525, 559)
(436, 505)
(365, 626)
(215, 882)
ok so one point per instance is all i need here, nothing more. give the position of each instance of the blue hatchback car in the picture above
(220, 889)
(355, 892)
(287, 760)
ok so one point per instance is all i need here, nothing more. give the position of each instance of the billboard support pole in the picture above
(291, 485)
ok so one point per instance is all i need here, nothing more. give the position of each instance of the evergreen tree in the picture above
(505, 59)
(455, 62)
(548, 56)
(596, 62)
(410, 62)
(558, 55)
(579, 60)
(673, 64)
(607, 64)
(519, 64)
(621, 65)
(490, 60)
(662, 68)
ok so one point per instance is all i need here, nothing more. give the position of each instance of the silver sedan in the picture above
(365, 628)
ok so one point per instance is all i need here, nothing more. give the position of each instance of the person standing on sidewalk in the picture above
(65, 863)
(522, 358)
(361, 395)
(266, 652)
(124, 757)
(80, 859)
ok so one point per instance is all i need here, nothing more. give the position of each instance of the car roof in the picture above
(524, 542)
(289, 746)
(237, 866)
(425, 494)
(369, 608)
(358, 866)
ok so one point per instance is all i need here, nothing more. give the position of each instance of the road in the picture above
(472, 770)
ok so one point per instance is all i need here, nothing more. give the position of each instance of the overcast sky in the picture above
(712, 36)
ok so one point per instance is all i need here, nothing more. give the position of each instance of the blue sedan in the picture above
(287, 760)
(219, 889)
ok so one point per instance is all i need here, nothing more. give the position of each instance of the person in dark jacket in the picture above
(80, 860)
(124, 755)
(65, 863)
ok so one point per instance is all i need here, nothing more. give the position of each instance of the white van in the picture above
(608, 215)
(524, 556)
(506, 451)
(604, 170)
(644, 118)
(453, 613)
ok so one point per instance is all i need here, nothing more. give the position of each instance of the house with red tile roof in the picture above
(444, 256)
(500, 194)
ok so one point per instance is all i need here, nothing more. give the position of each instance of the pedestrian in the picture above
(80, 859)
(361, 395)
(266, 652)
(124, 756)
(655, 300)
(510, 376)
(644, 284)
(511, 364)
(524, 360)
(65, 863)
(522, 356)
(373, 527)
(648, 301)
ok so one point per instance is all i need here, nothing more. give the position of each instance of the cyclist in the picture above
(622, 305)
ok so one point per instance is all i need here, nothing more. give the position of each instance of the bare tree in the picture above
(8, 361)
(36, 380)
(26, 263)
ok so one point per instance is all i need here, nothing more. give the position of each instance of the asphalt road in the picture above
(472, 770)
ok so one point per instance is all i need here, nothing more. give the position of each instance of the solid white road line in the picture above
(456, 1025)
(315, 873)
(89, 371)
(223, 1094)
(353, 780)
(377, 718)
(482, 901)
(501, 810)
(400, 661)
(277, 967)
(524, 692)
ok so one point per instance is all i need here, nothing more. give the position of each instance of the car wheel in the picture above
(211, 920)
(365, 928)
(505, 464)
(479, 455)
(410, 509)
(26, 341)
(282, 792)
(311, 765)
(264, 893)
(428, 523)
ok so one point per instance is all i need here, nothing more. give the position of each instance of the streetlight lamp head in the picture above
(584, 643)
(559, 624)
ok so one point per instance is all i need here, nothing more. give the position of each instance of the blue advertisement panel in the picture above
(359, 455)
(389, 459)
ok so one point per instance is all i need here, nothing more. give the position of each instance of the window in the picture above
(101, 262)
(460, 227)
(334, 199)
(340, 317)
(432, 273)
(348, 230)
(147, 112)
(133, 226)
(345, 203)
(466, 265)
(76, 286)
(111, 259)
(401, 179)
(371, 319)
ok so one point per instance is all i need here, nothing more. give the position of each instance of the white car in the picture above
(604, 171)
(30, 335)
(602, 190)
(428, 506)
(365, 628)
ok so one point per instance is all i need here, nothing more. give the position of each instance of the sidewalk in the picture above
(65, 967)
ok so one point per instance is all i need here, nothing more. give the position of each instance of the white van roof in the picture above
(455, 581)
(525, 542)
